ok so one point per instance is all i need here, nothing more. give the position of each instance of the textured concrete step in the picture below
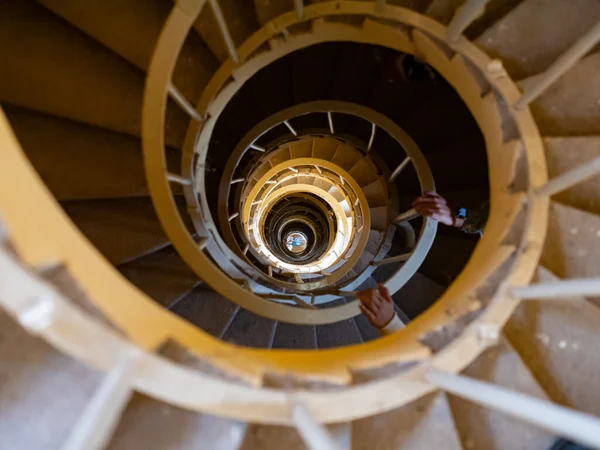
(241, 22)
(521, 39)
(50, 66)
(122, 229)
(153, 425)
(570, 106)
(345, 156)
(78, 161)
(376, 194)
(363, 172)
(207, 310)
(291, 336)
(266, 437)
(131, 28)
(572, 237)
(418, 294)
(481, 427)
(163, 276)
(559, 340)
(567, 153)
(379, 218)
(423, 424)
(338, 334)
(250, 330)
(43, 391)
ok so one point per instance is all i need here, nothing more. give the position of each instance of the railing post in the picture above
(214, 4)
(463, 17)
(560, 66)
(570, 178)
(314, 434)
(583, 428)
(557, 289)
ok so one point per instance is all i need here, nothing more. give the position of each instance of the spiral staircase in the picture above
(192, 193)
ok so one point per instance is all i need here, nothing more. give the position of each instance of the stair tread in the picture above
(273, 437)
(565, 153)
(481, 427)
(163, 276)
(79, 161)
(570, 106)
(424, 424)
(43, 391)
(82, 80)
(337, 334)
(572, 236)
(267, 10)
(241, 22)
(122, 229)
(250, 330)
(292, 336)
(131, 29)
(379, 217)
(206, 309)
(153, 425)
(520, 39)
(559, 340)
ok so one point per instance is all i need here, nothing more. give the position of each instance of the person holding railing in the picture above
(377, 304)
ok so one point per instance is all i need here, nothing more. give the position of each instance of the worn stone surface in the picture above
(206, 309)
(265, 437)
(570, 106)
(250, 330)
(481, 427)
(131, 28)
(153, 425)
(79, 161)
(571, 243)
(122, 229)
(534, 34)
(292, 336)
(566, 153)
(241, 22)
(423, 424)
(338, 334)
(50, 66)
(43, 391)
(163, 275)
(559, 340)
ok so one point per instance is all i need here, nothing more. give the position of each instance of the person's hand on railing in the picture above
(431, 204)
(377, 305)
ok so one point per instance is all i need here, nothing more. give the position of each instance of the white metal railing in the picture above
(583, 428)
(463, 17)
(558, 289)
(570, 178)
(560, 66)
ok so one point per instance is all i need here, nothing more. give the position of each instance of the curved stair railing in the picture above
(42, 236)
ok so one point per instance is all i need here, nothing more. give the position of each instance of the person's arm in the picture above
(378, 307)
(431, 204)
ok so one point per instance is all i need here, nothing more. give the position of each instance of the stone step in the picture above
(559, 340)
(521, 38)
(424, 424)
(250, 330)
(566, 153)
(572, 236)
(241, 22)
(272, 437)
(291, 336)
(44, 392)
(131, 29)
(79, 161)
(51, 67)
(122, 229)
(338, 334)
(151, 424)
(163, 276)
(481, 427)
(570, 106)
(207, 310)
